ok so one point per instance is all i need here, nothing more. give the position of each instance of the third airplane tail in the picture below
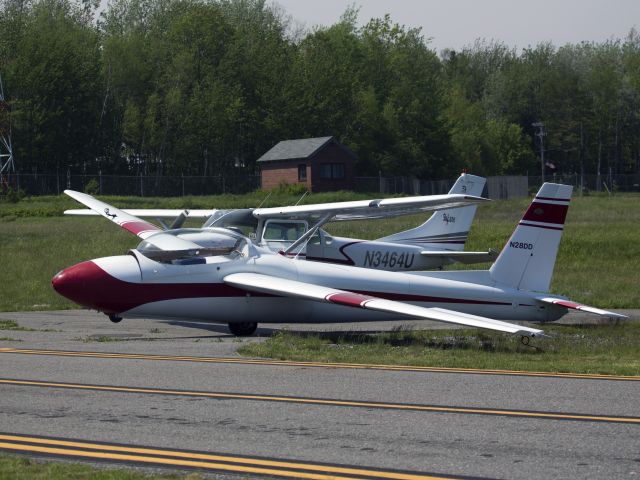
(445, 229)
(526, 262)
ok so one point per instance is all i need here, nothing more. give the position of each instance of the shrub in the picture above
(92, 187)
(14, 195)
(285, 188)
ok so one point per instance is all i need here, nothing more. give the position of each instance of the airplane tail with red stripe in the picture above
(526, 262)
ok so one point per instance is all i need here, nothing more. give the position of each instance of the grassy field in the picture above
(13, 467)
(598, 262)
(604, 349)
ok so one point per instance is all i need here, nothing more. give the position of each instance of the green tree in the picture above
(52, 76)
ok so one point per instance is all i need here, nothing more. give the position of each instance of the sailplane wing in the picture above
(124, 220)
(256, 282)
(141, 228)
(147, 212)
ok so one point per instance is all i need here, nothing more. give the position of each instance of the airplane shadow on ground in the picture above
(396, 337)
(360, 336)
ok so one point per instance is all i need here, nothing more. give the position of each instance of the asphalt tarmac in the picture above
(176, 395)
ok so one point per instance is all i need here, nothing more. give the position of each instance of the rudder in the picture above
(526, 261)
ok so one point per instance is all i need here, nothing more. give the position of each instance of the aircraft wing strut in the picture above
(257, 282)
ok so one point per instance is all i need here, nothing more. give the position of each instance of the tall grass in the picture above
(605, 349)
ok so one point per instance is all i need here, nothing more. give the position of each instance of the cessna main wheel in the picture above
(243, 329)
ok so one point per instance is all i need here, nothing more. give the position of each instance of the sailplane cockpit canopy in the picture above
(194, 246)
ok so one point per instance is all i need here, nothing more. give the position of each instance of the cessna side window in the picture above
(332, 170)
(284, 230)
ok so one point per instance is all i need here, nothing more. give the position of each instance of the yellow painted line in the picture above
(199, 460)
(361, 366)
(331, 402)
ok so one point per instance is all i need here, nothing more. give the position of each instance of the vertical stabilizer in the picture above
(526, 262)
(445, 229)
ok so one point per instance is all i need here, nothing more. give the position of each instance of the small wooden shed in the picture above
(322, 164)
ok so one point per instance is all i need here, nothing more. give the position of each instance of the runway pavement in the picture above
(176, 395)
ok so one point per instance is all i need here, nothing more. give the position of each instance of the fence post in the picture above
(182, 178)
(141, 189)
(100, 181)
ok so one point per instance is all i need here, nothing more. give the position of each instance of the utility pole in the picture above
(540, 133)
(6, 150)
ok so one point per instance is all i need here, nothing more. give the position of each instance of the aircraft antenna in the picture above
(303, 195)
(265, 199)
(7, 165)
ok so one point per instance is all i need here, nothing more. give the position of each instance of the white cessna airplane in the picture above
(437, 242)
(296, 232)
(219, 275)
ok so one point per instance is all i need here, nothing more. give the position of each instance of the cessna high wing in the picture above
(220, 275)
(296, 231)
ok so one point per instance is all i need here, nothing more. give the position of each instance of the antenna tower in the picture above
(7, 165)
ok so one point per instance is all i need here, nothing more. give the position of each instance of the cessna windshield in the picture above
(241, 221)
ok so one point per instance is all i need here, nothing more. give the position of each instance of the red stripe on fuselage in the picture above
(89, 285)
(546, 213)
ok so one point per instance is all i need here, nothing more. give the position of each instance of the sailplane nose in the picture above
(80, 282)
(100, 284)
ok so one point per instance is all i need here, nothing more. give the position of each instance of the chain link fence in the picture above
(591, 183)
(175, 186)
(131, 185)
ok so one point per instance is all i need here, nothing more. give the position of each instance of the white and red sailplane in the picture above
(220, 275)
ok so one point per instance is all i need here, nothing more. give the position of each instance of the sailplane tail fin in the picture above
(526, 261)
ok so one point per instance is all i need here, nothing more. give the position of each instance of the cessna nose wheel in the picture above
(243, 329)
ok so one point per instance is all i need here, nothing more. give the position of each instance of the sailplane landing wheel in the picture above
(243, 329)
(114, 318)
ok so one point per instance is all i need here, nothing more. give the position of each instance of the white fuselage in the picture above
(139, 287)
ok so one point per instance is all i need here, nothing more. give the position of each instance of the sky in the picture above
(457, 23)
